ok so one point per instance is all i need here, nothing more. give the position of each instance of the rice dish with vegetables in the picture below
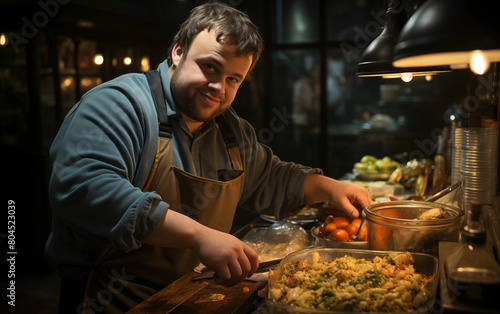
(384, 284)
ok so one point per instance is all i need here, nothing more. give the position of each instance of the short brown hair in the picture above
(230, 25)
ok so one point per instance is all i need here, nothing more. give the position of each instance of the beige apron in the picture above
(122, 280)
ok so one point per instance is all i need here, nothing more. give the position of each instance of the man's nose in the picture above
(217, 85)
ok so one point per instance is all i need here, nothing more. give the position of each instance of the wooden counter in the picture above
(187, 296)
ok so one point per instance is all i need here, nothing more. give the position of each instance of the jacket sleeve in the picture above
(95, 157)
(272, 186)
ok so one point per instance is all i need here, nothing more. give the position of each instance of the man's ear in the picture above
(177, 54)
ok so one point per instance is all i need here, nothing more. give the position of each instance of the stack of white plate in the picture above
(478, 164)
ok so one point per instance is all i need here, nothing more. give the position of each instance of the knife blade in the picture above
(262, 266)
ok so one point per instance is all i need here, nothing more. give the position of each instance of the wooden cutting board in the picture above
(186, 296)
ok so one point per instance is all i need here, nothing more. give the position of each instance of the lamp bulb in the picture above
(406, 77)
(479, 64)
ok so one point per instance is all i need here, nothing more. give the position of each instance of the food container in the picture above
(424, 263)
(337, 244)
(277, 240)
(393, 226)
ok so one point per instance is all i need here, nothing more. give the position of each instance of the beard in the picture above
(186, 97)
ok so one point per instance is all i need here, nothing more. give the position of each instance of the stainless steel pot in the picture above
(394, 226)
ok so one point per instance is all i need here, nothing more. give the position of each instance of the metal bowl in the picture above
(337, 244)
(393, 226)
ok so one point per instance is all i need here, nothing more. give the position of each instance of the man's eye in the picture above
(209, 67)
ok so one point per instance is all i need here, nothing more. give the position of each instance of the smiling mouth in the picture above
(213, 101)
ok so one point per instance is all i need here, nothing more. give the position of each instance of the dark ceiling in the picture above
(105, 19)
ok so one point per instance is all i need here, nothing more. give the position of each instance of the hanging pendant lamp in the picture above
(378, 56)
(457, 33)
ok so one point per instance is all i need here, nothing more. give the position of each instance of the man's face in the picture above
(205, 79)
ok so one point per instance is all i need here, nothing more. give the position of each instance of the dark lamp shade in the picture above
(446, 32)
(378, 56)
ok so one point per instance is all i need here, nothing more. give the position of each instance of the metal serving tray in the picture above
(424, 263)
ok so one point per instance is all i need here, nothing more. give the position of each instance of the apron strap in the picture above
(165, 129)
(154, 81)
(230, 141)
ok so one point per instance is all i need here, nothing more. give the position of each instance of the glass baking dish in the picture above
(424, 263)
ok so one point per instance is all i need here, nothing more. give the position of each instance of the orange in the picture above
(352, 229)
(363, 234)
(339, 235)
(331, 227)
(341, 222)
(356, 222)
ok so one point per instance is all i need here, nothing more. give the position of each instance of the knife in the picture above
(262, 266)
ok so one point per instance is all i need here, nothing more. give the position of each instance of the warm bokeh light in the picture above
(3, 40)
(145, 64)
(479, 64)
(127, 61)
(66, 83)
(98, 59)
(86, 82)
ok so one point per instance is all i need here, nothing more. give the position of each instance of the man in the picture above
(148, 172)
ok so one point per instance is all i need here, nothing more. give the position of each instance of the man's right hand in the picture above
(231, 259)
